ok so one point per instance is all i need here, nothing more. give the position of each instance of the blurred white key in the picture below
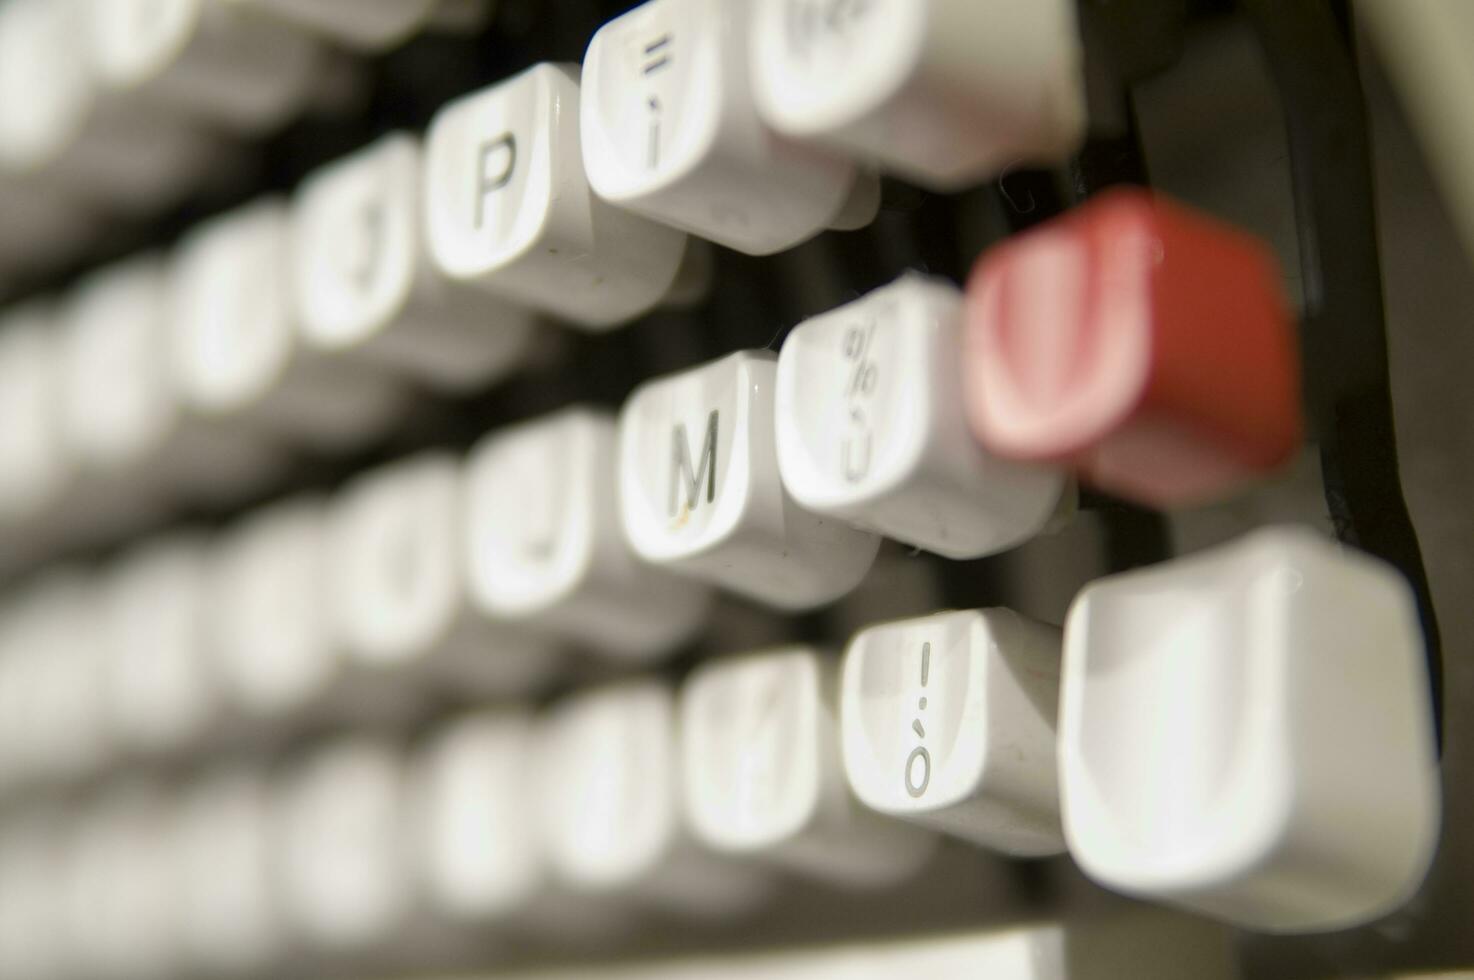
(365, 284)
(271, 628)
(871, 428)
(34, 463)
(670, 130)
(224, 67)
(159, 687)
(1247, 732)
(509, 207)
(229, 921)
(366, 25)
(341, 845)
(401, 600)
(945, 92)
(57, 129)
(610, 779)
(122, 417)
(121, 903)
(762, 775)
(546, 547)
(478, 836)
(700, 491)
(59, 720)
(237, 351)
(33, 924)
(949, 720)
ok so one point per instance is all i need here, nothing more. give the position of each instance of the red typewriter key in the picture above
(1144, 344)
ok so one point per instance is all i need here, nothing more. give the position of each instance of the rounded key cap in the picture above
(341, 845)
(399, 557)
(33, 925)
(366, 25)
(478, 838)
(160, 690)
(762, 777)
(272, 632)
(546, 549)
(1140, 342)
(1247, 732)
(871, 428)
(365, 284)
(218, 65)
(220, 829)
(948, 720)
(670, 130)
(510, 209)
(611, 804)
(236, 350)
(34, 462)
(944, 92)
(700, 491)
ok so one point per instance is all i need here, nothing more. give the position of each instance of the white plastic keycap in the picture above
(700, 491)
(545, 546)
(1247, 732)
(272, 634)
(944, 92)
(871, 428)
(33, 912)
(219, 66)
(478, 838)
(236, 351)
(341, 845)
(762, 776)
(949, 720)
(34, 463)
(670, 130)
(159, 686)
(365, 285)
(229, 921)
(610, 776)
(509, 207)
(399, 584)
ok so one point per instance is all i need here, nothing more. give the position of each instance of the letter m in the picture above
(683, 474)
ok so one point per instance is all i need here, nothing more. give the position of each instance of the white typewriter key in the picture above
(399, 576)
(221, 830)
(546, 547)
(945, 92)
(34, 464)
(365, 283)
(949, 719)
(271, 629)
(871, 428)
(159, 687)
(33, 925)
(762, 774)
(341, 845)
(478, 838)
(670, 130)
(365, 25)
(60, 724)
(1247, 732)
(237, 354)
(700, 491)
(121, 902)
(510, 209)
(223, 67)
(55, 129)
(121, 417)
(612, 806)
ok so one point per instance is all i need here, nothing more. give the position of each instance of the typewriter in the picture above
(731, 489)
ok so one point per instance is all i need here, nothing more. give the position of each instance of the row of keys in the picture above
(1171, 377)
(122, 106)
(1262, 708)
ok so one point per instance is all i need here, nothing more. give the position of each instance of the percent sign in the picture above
(857, 351)
(864, 372)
